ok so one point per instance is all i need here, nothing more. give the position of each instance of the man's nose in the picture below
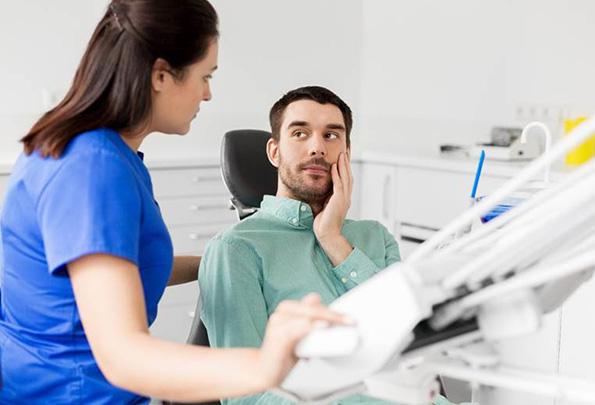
(317, 146)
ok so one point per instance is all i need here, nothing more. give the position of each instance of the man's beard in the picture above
(295, 181)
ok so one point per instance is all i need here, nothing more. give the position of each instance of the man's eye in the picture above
(299, 134)
(332, 135)
(207, 78)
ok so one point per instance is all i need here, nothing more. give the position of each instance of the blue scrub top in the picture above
(96, 198)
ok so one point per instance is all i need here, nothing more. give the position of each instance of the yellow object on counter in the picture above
(584, 151)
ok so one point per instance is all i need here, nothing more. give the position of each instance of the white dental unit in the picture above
(441, 312)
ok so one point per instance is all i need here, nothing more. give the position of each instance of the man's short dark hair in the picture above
(315, 93)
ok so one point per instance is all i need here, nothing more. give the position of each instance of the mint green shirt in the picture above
(272, 256)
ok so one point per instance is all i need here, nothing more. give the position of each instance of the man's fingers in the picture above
(345, 174)
(337, 185)
(349, 172)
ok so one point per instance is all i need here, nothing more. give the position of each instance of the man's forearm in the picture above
(336, 247)
(185, 270)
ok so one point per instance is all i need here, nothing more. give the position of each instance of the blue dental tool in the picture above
(482, 157)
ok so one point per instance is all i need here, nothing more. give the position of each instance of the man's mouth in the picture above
(316, 169)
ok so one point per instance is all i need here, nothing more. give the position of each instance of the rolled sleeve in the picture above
(355, 269)
(359, 267)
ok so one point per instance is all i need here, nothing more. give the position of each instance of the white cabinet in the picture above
(176, 311)
(194, 203)
(187, 181)
(431, 198)
(356, 170)
(415, 201)
(377, 193)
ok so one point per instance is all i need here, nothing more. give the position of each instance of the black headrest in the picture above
(247, 172)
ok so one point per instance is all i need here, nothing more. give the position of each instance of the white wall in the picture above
(448, 71)
(417, 73)
(267, 47)
(433, 71)
(41, 43)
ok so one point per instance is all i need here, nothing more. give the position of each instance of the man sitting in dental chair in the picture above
(299, 241)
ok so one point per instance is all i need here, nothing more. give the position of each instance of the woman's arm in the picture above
(185, 270)
(110, 301)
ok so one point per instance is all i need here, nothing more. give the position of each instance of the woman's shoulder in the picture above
(92, 154)
(95, 142)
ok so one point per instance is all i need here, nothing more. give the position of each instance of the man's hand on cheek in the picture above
(328, 223)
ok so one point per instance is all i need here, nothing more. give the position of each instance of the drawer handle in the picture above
(196, 207)
(197, 236)
(198, 179)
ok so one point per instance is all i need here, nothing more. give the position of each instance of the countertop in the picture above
(446, 162)
(453, 162)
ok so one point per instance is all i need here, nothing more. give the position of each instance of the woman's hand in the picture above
(291, 321)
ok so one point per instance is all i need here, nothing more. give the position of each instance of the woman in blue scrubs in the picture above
(87, 255)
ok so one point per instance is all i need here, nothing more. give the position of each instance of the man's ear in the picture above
(160, 75)
(273, 152)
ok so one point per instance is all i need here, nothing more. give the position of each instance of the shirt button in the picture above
(303, 208)
(344, 280)
(294, 220)
(353, 274)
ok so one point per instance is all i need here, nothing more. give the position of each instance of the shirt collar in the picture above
(295, 213)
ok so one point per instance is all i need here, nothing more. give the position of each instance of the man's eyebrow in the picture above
(336, 126)
(214, 68)
(298, 124)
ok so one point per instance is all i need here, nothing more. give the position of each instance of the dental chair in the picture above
(246, 170)
(248, 176)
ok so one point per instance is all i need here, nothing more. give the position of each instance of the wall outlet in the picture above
(548, 113)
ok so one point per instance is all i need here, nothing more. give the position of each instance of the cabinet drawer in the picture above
(192, 239)
(377, 190)
(187, 182)
(176, 312)
(180, 294)
(199, 209)
(173, 322)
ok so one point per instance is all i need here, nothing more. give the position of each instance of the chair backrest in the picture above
(246, 170)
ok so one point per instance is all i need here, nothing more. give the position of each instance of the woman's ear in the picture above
(160, 75)
(273, 152)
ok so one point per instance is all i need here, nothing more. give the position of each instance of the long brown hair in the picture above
(112, 85)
